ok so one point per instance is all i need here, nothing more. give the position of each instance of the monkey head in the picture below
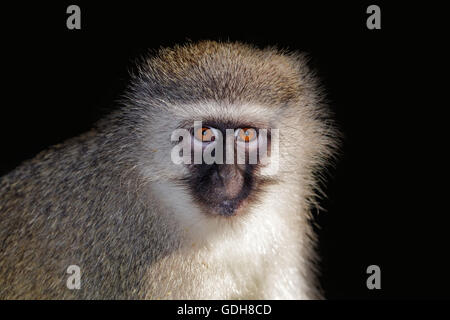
(239, 97)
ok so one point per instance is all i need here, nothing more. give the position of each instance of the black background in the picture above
(58, 82)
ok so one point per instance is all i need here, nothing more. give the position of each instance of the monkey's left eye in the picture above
(246, 134)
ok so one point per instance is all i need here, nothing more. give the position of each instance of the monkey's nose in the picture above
(231, 179)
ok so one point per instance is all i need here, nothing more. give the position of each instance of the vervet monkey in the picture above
(141, 226)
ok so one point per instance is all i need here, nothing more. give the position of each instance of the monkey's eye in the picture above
(205, 134)
(246, 134)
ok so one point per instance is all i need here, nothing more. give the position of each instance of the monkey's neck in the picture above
(261, 246)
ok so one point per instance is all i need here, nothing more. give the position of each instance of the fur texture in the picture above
(112, 202)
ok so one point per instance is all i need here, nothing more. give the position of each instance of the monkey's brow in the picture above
(223, 124)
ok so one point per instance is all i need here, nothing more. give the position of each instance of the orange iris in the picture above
(247, 134)
(204, 134)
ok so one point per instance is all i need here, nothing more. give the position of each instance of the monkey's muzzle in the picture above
(222, 188)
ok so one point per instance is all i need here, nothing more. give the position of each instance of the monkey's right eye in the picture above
(205, 134)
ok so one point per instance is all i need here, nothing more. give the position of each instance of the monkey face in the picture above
(227, 87)
(224, 177)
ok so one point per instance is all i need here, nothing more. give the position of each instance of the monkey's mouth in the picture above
(228, 208)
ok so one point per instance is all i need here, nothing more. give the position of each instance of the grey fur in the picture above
(90, 200)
